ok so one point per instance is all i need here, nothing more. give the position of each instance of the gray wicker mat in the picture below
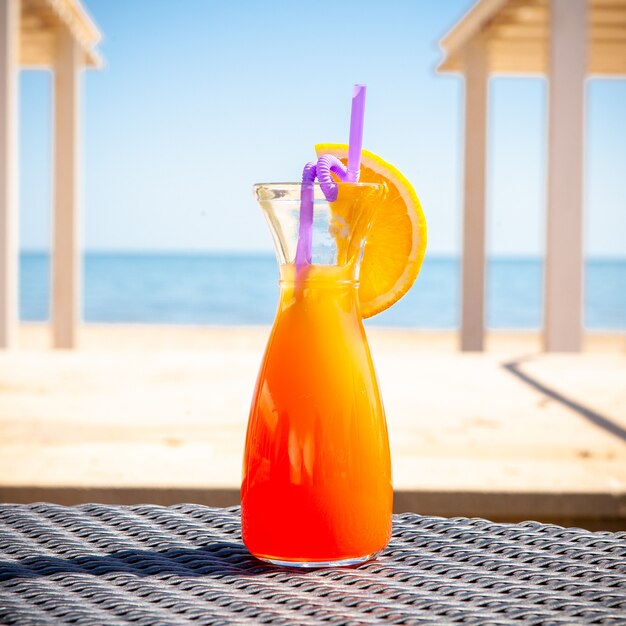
(97, 564)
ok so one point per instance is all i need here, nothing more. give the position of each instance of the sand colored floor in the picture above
(159, 414)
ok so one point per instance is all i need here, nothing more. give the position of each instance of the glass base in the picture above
(359, 560)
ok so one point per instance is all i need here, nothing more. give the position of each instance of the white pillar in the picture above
(563, 299)
(473, 262)
(66, 274)
(9, 210)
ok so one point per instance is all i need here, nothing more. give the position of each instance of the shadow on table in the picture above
(215, 560)
(595, 418)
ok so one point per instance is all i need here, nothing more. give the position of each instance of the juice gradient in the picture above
(317, 470)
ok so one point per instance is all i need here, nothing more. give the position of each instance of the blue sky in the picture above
(199, 99)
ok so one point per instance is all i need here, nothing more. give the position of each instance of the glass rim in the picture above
(291, 191)
(317, 184)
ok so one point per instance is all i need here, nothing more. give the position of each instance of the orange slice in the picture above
(396, 243)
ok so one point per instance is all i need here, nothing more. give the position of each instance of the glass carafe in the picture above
(316, 484)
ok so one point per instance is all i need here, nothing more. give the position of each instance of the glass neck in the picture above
(330, 288)
(320, 276)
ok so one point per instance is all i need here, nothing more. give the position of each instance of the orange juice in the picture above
(317, 472)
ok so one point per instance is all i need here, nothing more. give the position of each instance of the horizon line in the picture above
(268, 252)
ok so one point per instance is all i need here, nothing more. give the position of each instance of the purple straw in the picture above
(355, 145)
(323, 169)
(305, 232)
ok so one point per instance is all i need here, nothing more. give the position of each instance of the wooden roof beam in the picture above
(42, 19)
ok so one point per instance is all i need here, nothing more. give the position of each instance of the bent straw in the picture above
(355, 144)
(305, 231)
(322, 169)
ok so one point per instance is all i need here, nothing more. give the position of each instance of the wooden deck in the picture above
(159, 415)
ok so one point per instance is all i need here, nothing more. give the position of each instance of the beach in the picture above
(158, 414)
(35, 336)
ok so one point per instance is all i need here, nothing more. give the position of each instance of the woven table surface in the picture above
(99, 564)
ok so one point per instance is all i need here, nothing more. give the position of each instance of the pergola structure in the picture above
(56, 35)
(566, 41)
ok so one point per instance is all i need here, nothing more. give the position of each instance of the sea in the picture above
(241, 289)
